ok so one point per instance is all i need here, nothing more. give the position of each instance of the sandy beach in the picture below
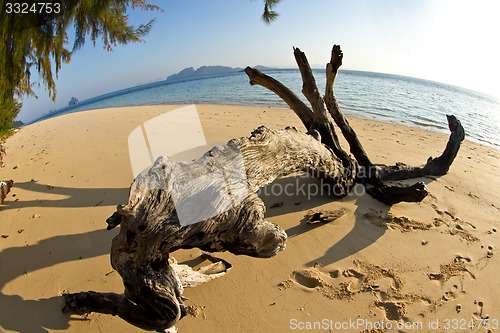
(432, 263)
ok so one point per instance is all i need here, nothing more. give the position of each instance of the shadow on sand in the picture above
(45, 314)
(40, 315)
(73, 197)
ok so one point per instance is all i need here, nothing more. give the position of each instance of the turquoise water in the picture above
(390, 98)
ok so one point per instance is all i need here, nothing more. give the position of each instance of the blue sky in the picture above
(451, 41)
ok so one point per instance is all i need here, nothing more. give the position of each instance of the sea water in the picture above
(385, 97)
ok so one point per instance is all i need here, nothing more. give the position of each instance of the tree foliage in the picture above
(269, 14)
(38, 40)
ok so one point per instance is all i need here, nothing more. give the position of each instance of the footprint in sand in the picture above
(313, 279)
(456, 268)
(353, 273)
(384, 285)
(402, 223)
(489, 254)
(344, 284)
(456, 225)
(335, 273)
(308, 278)
(453, 294)
(479, 313)
(393, 310)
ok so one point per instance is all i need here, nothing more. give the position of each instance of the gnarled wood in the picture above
(370, 174)
(438, 166)
(321, 121)
(391, 195)
(152, 225)
(294, 102)
(333, 107)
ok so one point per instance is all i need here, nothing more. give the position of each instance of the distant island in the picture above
(73, 101)
(17, 124)
(190, 72)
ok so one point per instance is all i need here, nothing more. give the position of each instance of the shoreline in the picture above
(71, 171)
(441, 127)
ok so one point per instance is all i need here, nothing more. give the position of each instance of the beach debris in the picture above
(297, 203)
(20, 231)
(323, 216)
(425, 242)
(278, 204)
(5, 186)
(5, 236)
(35, 216)
(151, 226)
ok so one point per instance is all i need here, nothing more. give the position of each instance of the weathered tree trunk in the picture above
(152, 224)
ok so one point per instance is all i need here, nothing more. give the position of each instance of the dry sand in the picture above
(436, 260)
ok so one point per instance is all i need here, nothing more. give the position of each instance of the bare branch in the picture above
(333, 107)
(294, 102)
(438, 166)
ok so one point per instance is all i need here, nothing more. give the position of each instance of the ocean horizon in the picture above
(386, 97)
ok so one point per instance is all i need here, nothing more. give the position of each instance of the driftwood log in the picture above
(150, 228)
(5, 187)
